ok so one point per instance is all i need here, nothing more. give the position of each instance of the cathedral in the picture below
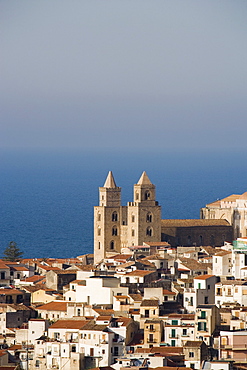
(117, 226)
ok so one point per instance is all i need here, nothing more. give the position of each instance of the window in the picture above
(149, 217)
(147, 195)
(137, 196)
(146, 313)
(115, 351)
(184, 331)
(99, 231)
(191, 354)
(174, 322)
(133, 218)
(114, 216)
(112, 244)
(78, 312)
(192, 366)
(173, 343)
(151, 338)
(133, 232)
(114, 231)
(99, 245)
(73, 349)
(151, 327)
(203, 314)
(149, 231)
(99, 217)
(173, 335)
(206, 300)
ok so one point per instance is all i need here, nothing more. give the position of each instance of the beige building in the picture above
(233, 209)
(117, 226)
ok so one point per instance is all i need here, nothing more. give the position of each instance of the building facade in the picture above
(233, 209)
(117, 226)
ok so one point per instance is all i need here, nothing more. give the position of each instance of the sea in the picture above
(47, 195)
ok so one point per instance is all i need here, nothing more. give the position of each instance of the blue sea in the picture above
(47, 196)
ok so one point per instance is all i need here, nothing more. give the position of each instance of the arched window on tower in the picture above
(147, 195)
(99, 231)
(133, 232)
(149, 217)
(99, 217)
(114, 216)
(112, 244)
(114, 231)
(149, 231)
(137, 196)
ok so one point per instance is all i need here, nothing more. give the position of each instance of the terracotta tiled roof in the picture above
(222, 253)
(183, 316)
(34, 278)
(150, 303)
(94, 327)
(136, 297)
(69, 324)
(193, 343)
(54, 306)
(168, 292)
(194, 265)
(138, 273)
(194, 223)
(12, 291)
(203, 277)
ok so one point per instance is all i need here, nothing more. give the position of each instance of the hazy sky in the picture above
(123, 73)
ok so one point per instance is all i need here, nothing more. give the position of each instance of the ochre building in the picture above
(117, 226)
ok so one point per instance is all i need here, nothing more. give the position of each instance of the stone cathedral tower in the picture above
(117, 226)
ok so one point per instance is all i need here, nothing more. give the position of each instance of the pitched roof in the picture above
(193, 343)
(34, 278)
(110, 182)
(69, 324)
(230, 198)
(144, 179)
(54, 306)
(150, 303)
(203, 277)
(168, 292)
(222, 253)
(138, 273)
(194, 222)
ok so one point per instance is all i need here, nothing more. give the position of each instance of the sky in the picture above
(124, 74)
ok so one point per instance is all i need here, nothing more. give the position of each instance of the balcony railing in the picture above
(173, 336)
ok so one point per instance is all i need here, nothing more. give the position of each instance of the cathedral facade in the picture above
(117, 226)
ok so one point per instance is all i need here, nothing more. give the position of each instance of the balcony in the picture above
(173, 336)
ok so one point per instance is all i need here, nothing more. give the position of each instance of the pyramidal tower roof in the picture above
(110, 182)
(144, 179)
